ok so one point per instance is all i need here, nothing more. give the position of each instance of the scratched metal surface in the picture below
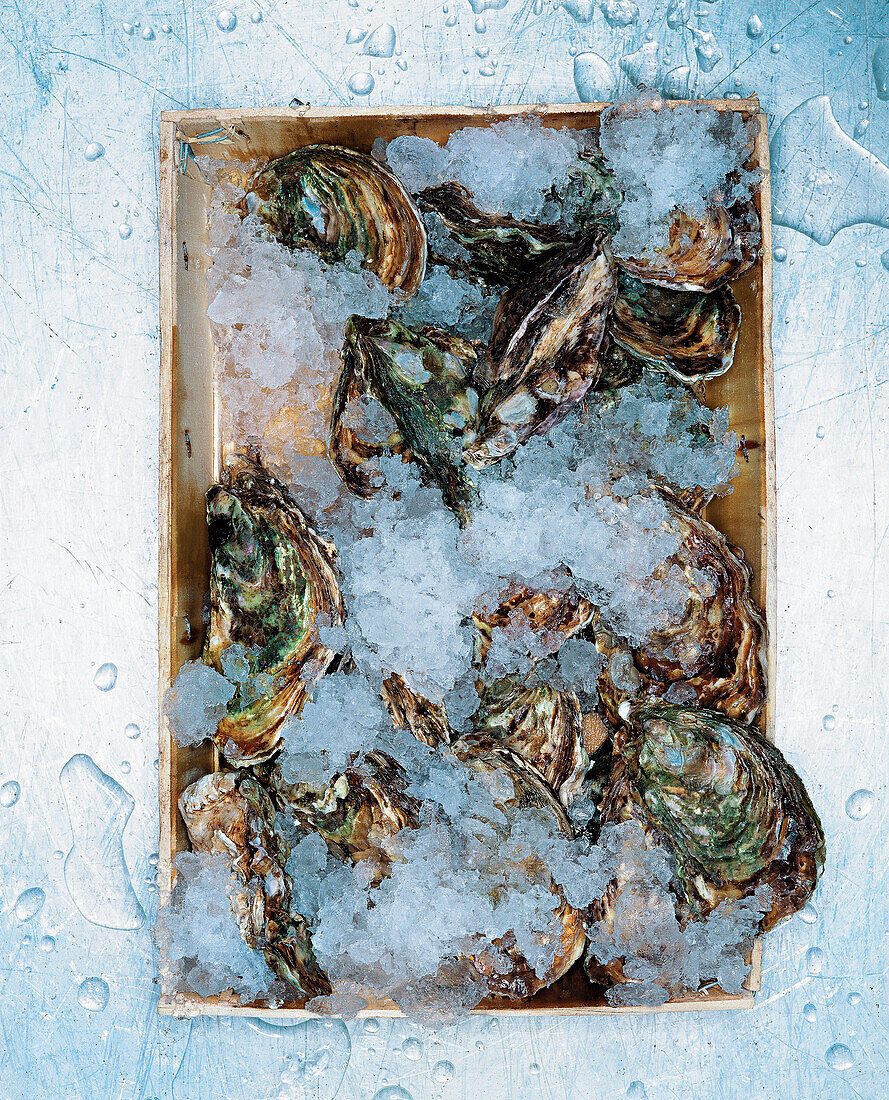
(79, 356)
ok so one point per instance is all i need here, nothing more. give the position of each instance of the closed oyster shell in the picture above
(704, 252)
(424, 379)
(491, 248)
(427, 721)
(714, 655)
(272, 577)
(687, 334)
(334, 200)
(544, 349)
(733, 811)
(231, 814)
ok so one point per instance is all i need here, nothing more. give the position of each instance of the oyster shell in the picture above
(494, 249)
(714, 655)
(689, 335)
(426, 720)
(271, 578)
(334, 200)
(544, 349)
(733, 811)
(231, 814)
(424, 379)
(704, 253)
(357, 811)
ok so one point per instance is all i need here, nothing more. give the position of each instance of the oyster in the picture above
(271, 579)
(732, 810)
(494, 249)
(231, 814)
(542, 724)
(713, 656)
(589, 197)
(357, 811)
(424, 379)
(704, 253)
(689, 335)
(335, 200)
(544, 349)
(426, 720)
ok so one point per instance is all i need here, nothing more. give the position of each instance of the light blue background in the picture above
(78, 371)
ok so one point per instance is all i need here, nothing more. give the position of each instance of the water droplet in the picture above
(754, 27)
(808, 914)
(125, 767)
(479, 1045)
(675, 83)
(880, 67)
(819, 434)
(361, 83)
(620, 13)
(859, 804)
(442, 1072)
(9, 793)
(775, 47)
(115, 202)
(93, 994)
(479, 6)
(29, 903)
(636, 1089)
(167, 28)
(707, 49)
(226, 20)
(94, 150)
(481, 27)
(153, 859)
(594, 78)
(830, 593)
(642, 66)
(381, 41)
(124, 231)
(401, 64)
(482, 51)
(256, 17)
(860, 263)
(780, 254)
(148, 33)
(106, 676)
(48, 943)
(854, 999)
(815, 959)
(128, 28)
(132, 730)
(486, 70)
(538, 7)
(839, 1057)
(848, 39)
(354, 34)
(392, 1092)
(810, 1013)
(412, 1049)
(96, 872)
(861, 128)
(451, 20)
(371, 1026)
(828, 721)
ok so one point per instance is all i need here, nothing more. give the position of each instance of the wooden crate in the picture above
(191, 447)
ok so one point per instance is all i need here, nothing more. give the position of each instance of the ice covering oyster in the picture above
(688, 334)
(231, 814)
(704, 252)
(335, 200)
(495, 249)
(425, 380)
(734, 813)
(712, 656)
(544, 349)
(272, 577)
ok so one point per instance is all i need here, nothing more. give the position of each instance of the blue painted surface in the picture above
(78, 363)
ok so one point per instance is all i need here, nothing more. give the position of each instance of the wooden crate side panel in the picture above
(187, 467)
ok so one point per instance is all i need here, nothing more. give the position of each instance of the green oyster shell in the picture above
(271, 578)
(231, 814)
(491, 248)
(687, 334)
(544, 349)
(425, 380)
(334, 200)
(733, 811)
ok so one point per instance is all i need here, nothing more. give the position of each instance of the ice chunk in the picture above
(201, 944)
(195, 702)
(647, 146)
(453, 304)
(417, 161)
